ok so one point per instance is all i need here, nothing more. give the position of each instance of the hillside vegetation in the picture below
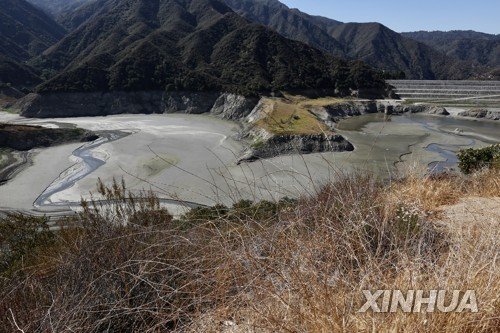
(373, 43)
(472, 46)
(288, 266)
(59, 7)
(17, 74)
(25, 31)
(139, 45)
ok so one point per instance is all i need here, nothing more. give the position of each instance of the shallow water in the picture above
(358, 123)
(449, 156)
(438, 143)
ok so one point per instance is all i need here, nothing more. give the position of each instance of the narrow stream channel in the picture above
(87, 163)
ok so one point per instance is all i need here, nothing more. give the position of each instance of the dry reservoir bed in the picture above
(193, 158)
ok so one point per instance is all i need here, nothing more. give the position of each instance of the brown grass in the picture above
(291, 117)
(432, 191)
(132, 268)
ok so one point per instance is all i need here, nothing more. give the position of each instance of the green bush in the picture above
(471, 159)
(20, 236)
(241, 210)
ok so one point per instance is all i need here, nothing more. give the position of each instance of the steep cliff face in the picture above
(188, 102)
(339, 111)
(234, 107)
(296, 144)
(228, 106)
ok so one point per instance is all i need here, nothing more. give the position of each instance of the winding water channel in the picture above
(86, 164)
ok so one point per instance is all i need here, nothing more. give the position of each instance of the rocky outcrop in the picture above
(234, 107)
(340, 111)
(481, 114)
(421, 108)
(296, 144)
(21, 137)
(187, 102)
(228, 106)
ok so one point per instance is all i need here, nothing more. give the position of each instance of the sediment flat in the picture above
(194, 158)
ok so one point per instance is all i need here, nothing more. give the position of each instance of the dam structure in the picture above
(449, 93)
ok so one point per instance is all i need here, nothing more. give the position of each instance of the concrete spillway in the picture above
(467, 93)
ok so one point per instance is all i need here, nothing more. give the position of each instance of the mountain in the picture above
(68, 13)
(467, 45)
(290, 23)
(383, 48)
(17, 74)
(58, 7)
(74, 17)
(191, 45)
(373, 43)
(452, 35)
(25, 32)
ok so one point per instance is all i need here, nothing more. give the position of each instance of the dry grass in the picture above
(317, 102)
(301, 268)
(291, 116)
(432, 191)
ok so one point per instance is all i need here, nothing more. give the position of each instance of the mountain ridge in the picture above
(25, 32)
(58, 7)
(134, 44)
(467, 45)
(388, 50)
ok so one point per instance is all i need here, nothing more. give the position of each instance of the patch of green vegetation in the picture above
(157, 164)
(471, 159)
(20, 237)
(244, 209)
(258, 144)
(315, 102)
